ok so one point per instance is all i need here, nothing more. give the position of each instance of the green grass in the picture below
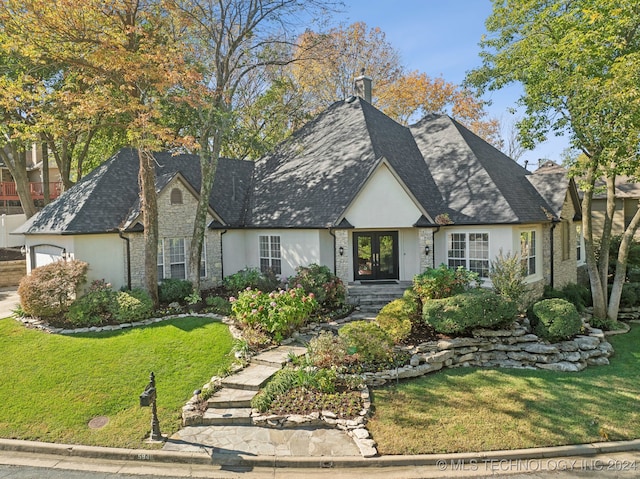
(463, 410)
(53, 385)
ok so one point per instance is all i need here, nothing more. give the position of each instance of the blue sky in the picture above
(440, 38)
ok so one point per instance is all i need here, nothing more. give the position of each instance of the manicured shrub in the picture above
(461, 313)
(278, 313)
(328, 289)
(174, 290)
(396, 318)
(442, 282)
(49, 290)
(251, 278)
(555, 319)
(93, 309)
(507, 276)
(130, 306)
(368, 340)
(218, 305)
(578, 295)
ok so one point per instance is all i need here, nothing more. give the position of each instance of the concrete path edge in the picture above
(205, 458)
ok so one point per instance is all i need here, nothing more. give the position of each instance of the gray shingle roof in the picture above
(311, 179)
(479, 184)
(106, 197)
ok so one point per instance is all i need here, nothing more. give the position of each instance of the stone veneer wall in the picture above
(342, 262)
(425, 237)
(564, 270)
(176, 221)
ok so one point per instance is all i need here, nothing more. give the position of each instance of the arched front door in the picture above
(375, 255)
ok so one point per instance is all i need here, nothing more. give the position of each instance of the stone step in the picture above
(279, 356)
(251, 378)
(227, 417)
(231, 398)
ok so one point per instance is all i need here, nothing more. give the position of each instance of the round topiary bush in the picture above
(555, 319)
(461, 313)
(395, 318)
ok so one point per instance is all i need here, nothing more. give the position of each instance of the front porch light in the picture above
(427, 250)
(341, 251)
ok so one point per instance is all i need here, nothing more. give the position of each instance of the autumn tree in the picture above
(579, 64)
(229, 41)
(19, 90)
(328, 64)
(123, 55)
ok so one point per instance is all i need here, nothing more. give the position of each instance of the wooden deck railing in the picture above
(9, 192)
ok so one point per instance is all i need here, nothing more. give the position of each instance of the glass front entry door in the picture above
(375, 255)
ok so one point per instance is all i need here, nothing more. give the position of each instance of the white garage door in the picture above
(45, 254)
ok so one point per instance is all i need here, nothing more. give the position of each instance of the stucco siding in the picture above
(106, 257)
(241, 249)
(383, 203)
(500, 237)
(327, 249)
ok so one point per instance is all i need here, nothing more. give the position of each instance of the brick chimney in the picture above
(363, 86)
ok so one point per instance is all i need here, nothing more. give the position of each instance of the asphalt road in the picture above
(38, 466)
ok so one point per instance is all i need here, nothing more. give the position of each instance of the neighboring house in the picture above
(627, 196)
(9, 200)
(352, 190)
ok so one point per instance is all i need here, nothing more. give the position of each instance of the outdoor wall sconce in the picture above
(341, 251)
(427, 250)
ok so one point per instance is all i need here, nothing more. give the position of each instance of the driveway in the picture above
(9, 300)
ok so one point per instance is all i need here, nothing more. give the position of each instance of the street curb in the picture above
(148, 456)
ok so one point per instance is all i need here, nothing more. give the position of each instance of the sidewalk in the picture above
(9, 300)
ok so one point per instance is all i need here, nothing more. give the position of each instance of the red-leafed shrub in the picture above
(49, 290)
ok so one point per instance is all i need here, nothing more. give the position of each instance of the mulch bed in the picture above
(10, 254)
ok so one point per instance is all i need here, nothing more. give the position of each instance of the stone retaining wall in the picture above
(516, 347)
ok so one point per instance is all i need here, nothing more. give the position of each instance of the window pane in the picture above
(276, 266)
(264, 265)
(177, 258)
(479, 266)
(160, 260)
(178, 271)
(264, 246)
(203, 261)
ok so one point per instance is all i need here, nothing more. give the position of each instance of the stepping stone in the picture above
(231, 398)
(251, 378)
(227, 417)
(278, 356)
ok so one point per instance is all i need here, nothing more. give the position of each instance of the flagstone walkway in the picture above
(228, 429)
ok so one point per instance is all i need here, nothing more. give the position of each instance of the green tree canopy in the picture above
(579, 64)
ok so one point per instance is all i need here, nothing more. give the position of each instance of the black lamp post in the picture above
(148, 398)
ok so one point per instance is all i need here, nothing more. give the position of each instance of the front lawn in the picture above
(53, 385)
(463, 410)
